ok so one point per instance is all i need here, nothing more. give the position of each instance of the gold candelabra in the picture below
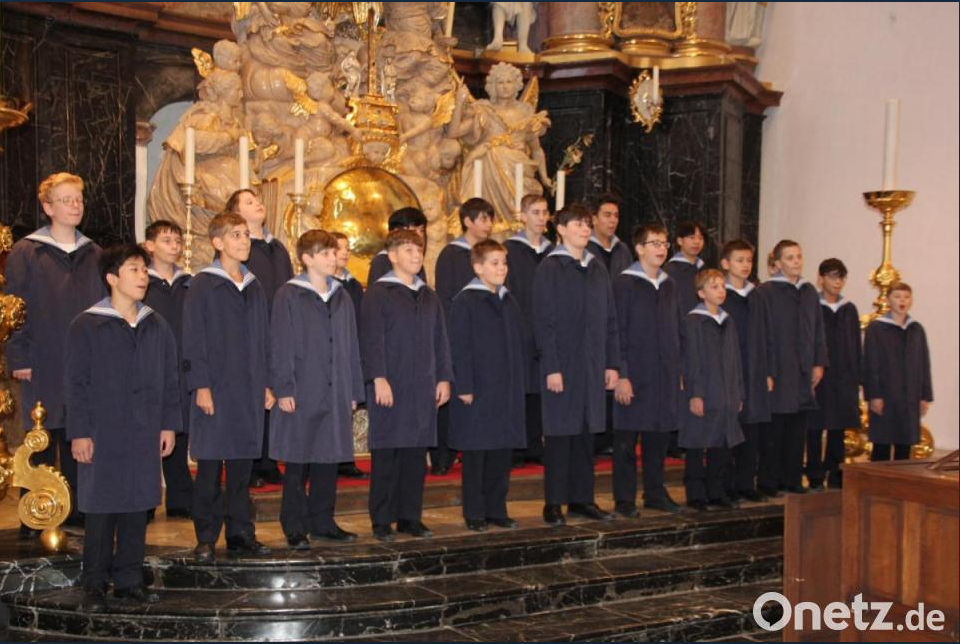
(186, 189)
(293, 227)
(646, 101)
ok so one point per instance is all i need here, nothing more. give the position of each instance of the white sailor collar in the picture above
(614, 240)
(780, 277)
(105, 308)
(303, 281)
(563, 252)
(477, 285)
(461, 242)
(345, 276)
(44, 236)
(390, 278)
(216, 268)
(177, 274)
(742, 292)
(520, 237)
(834, 306)
(382, 252)
(680, 257)
(267, 237)
(887, 318)
(701, 309)
(636, 270)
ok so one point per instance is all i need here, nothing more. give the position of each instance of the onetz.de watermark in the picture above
(837, 616)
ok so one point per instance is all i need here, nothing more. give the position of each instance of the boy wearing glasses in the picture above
(56, 270)
(647, 393)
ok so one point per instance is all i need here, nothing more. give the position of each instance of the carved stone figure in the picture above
(745, 23)
(521, 14)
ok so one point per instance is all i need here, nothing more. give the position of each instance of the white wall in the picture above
(837, 63)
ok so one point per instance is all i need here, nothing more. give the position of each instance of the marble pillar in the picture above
(574, 28)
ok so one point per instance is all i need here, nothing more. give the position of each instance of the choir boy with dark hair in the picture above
(683, 267)
(407, 218)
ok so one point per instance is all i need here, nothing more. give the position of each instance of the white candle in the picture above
(298, 167)
(478, 178)
(448, 24)
(656, 84)
(561, 189)
(890, 141)
(189, 157)
(244, 162)
(517, 186)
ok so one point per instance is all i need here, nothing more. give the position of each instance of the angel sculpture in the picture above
(318, 101)
(506, 132)
(425, 121)
(353, 72)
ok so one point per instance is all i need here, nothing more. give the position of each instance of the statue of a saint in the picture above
(521, 14)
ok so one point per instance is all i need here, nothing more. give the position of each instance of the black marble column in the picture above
(80, 82)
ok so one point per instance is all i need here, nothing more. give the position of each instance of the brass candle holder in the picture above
(186, 189)
(888, 203)
(299, 200)
(646, 108)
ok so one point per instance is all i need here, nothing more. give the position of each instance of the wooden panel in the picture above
(939, 552)
(880, 549)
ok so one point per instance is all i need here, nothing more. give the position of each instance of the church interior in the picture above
(834, 125)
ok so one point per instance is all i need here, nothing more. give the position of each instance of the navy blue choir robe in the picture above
(838, 394)
(684, 273)
(403, 338)
(711, 371)
(489, 363)
(380, 266)
(575, 324)
(798, 341)
(122, 391)
(56, 286)
(166, 299)
(648, 316)
(225, 343)
(751, 314)
(270, 263)
(354, 289)
(453, 272)
(523, 259)
(616, 259)
(896, 368)
(315, 358)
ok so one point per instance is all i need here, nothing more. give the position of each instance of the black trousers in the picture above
(58, 451)
(486, 481)
(534, 427)
(744, 460)
(101, 562)
(706, 482)
(881, 452)
(653, 453)
(604, 442)
(568, 468)
(396, 484)
(213, 506)
(176, 474)
(781, 452)
(820, 465)
(442, 455)
(302, 512)
(265, 466)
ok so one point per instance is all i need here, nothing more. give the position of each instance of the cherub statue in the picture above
(352, 72)
(422, 119)
(317, 99)
(523, 14)
(388, 79)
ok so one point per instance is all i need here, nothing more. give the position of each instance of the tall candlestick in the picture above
(244, 162)
(478, 178)
(189, 154)
(517, 186)
(561, 189)
(890, 141)
(298, 167)
(656, 84)
(448, 23)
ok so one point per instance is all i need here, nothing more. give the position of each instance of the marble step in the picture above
(369, 563)
(411, 605)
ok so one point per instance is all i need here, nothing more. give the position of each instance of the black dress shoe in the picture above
(698, 504)
(414, 529)
(179, 513)
(627, 510)
(667, 505)
(351, 471)
(94, 600)
(383, 533)
(245, 545)
(768, 492)
(589, 511)
(752, 495)
(477, 525)
(204, 553)
(795, 489)
(553, 515)
(724, 503)
(257, 481)
(140, 594)
(336, 534)
(298, 542)
(505, 522)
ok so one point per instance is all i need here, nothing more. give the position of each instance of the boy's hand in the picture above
(466, 398)
(610, 378)
(816, 376)
(353, 405)
(205, 400)
(555, 382)
(82, 450)
(624, 392)
(740, 408)
(876, 406)
(287, 404)
(168, 439)
(268, 399)
(924, 407)
(383, 394)
(443, 393)
(696, 407)
(770, 383)
(23, 374)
